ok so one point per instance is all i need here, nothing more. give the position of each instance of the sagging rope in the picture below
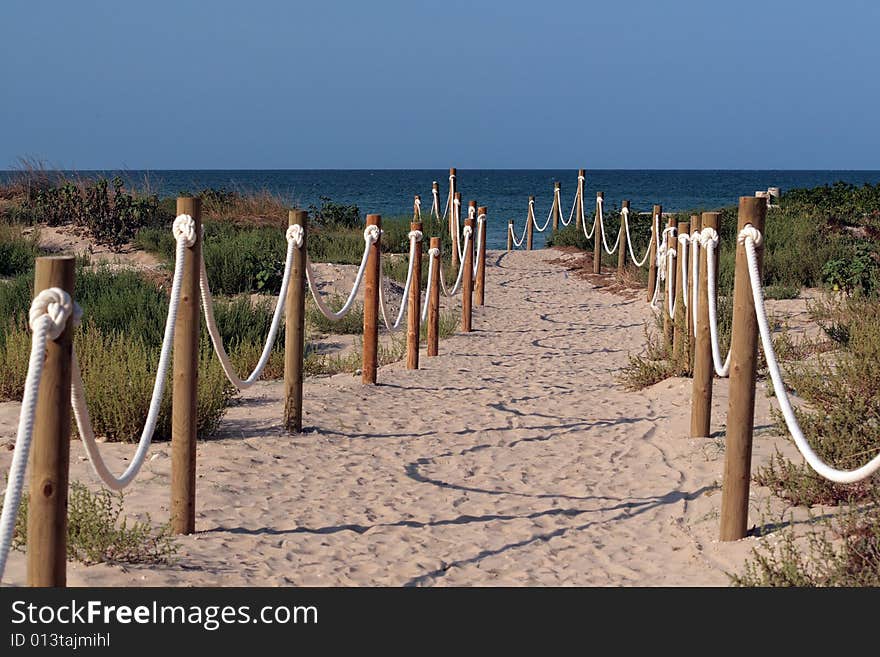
(600, 203)
(532, 218)
(455, 288)
(415, 237)
(517, 242)
(750, 237)
(709, 239)
(625, 213)
(371, 235)
(435, 205)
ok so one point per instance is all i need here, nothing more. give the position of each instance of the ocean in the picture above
(505, 192)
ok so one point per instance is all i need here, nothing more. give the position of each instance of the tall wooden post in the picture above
(696, 224)
(579, 198)
(417, 207)
(480, 285)
(185, 381)
(294, 333)
(597, 235)
(668, 285)
(656, 217)
(50, 453)
(450, 208)
(434, 302)
(557, 195)
(530, 223)
(467, 283)
(679, 325)
(413, 314)
(743, 366)
(372, 281)
(456, 233)
(704, 369)
(435, 199)
(509, 235)
(621, 253)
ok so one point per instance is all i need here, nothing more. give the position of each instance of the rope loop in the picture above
(624, 211)
(434, 252)
(372, 233)
(294, 235)
(55, 304)
(684, 238)
(750, 232)
(457, 201)
(468, 231)
(415, 235)
(709, 237)
(184, 227)
(481, 218)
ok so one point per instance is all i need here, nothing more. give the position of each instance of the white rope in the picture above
(49, 313)
(415, 236)
(459, 246)
(584, 224)
(532, 213)
(625, 213)
(671, 254)
(417, 209)
(750, 237)
(600, 202)
(695, 275)
(709, 239)
(435, 205)
(77, 389)
(433, 254)
(457, 286)
(570, 214)
(371, 235)
(479, 253)
(518, 242)
(683, 241)
(294, 241)
(448, 198)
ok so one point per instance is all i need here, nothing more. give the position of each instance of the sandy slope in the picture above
(513, 458)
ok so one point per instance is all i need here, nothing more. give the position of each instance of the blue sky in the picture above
(407, 84)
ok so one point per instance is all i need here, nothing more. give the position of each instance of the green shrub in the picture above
(351, 324)
(17, 251)
(95, 533)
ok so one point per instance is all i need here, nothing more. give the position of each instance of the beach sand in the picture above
(513, 458)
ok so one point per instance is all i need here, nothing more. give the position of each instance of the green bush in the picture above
(95, 533)
(17, 251)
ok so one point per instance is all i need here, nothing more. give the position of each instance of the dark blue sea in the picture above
(505, 192)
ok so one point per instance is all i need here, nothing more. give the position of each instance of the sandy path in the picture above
(513, 458)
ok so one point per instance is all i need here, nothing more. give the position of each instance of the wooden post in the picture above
(670, 262)
(579, 198)
(417, 207)
(413, 314)
(480, 291)
(456, 234)
(621, 253)
(434, 302)
(294, 333)
(50, 453)
(704, 369)
(597, 236)
(530, 223)
(652, 251)
(372, 281)
(557, 195)
(679, 326)
(509, 235)
(185, 381)
(450, 208)
(467, 282)
(696, 224)
(743, 365)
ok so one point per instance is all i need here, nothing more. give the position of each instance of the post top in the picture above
(374, 219)
(472, 203)
(625, 203)
(600, 195)
(482, 209)
(296, 215)
(55, 257)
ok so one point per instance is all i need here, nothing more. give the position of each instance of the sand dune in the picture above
(514, 458)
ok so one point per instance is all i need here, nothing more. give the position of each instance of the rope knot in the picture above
(372, 233)
(434, 252)
(471, 211)
(184, 227)
(481, 218)
(457, 201)
(624, 211)
(581, 179)
(415, 235)
(750, 232)
(684, 238)
(468, 231)
(55, 304)
(294, 235)
(709, 237)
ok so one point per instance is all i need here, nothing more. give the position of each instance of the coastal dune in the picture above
(513, 458)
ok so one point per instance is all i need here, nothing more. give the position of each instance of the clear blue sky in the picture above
(409, 84)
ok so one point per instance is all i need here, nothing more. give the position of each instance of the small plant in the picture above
(98, 533)
(335, 215)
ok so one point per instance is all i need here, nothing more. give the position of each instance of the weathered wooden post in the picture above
(480, 285)
(696, 224)
(530, 223)
(668, 288)
(679, 321)
(509, 235)
(434, 300)
(185, 381)
(456, 235)
(435, 200)
(294, 329)
(557, 196)
(50, 452)
(467, 281)
(597, 234)
(704, 369)
(413, 315)
(372, 281)
(743, 366)
(656, 217)
(579, 198)
(621, 253)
